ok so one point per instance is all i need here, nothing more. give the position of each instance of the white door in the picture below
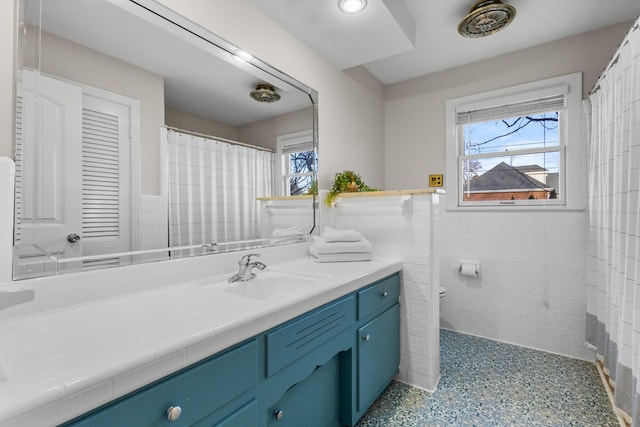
(75, 149)
(50, 150)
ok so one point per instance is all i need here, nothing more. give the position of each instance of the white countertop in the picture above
(58, 364)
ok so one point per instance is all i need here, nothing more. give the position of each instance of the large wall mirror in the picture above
(141, 136)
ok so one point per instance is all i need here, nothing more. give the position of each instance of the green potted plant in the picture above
(344, 182)
(313, 188)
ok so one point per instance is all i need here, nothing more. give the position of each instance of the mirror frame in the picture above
(176, 23)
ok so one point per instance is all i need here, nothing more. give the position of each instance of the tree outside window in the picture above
(301, 168)
(296, 163)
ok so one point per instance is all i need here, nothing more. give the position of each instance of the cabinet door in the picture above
(378, 355)
(310, 403)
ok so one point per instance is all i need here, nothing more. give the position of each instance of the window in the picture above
(295, 163)
(510, 147)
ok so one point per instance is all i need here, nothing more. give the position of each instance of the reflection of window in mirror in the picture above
(295, 163)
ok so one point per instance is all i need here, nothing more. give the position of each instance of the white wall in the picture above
(532, 285)
(191, 122)
(415, 109)
(404, 227)
(266, 132)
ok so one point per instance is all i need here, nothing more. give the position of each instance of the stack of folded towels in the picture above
(339, 245)
(287, 235)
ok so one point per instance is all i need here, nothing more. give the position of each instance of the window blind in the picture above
(298, 147)
(517, 109)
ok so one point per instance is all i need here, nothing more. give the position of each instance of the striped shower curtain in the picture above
(213, 186)
(613, 280)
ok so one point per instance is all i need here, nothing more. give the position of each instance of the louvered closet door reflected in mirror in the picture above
(106, 199)
(94, 129)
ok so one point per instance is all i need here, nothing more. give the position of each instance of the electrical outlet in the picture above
(435, 180)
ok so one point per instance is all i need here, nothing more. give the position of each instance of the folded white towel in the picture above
(298, 238)
(321, 246)
(332, 235)
(286, 232)
(341, 257)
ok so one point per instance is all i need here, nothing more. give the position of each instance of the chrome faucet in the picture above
(245, 271)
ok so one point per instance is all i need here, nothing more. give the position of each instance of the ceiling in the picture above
(396, 40)
(206, 80)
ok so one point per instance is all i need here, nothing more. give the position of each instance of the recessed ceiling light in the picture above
(352, 6)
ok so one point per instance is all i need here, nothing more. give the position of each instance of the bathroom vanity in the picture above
(322, 368)
(301, 344)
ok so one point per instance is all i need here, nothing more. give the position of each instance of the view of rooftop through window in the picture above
(516, 158)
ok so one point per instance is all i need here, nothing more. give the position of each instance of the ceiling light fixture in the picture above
(265, 93)
(486, 17)
(352, 6)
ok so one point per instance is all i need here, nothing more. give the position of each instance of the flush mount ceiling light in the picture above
(265, 93)
(352, 6)
(486, 17)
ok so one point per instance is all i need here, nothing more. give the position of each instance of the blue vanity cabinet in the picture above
(374, 299)
(239, 413)
(323, 368)
(378, 355)
(247, 415)
(302, 335)
(311, 402)
(197, 391)
(378, 340)
(303, 364)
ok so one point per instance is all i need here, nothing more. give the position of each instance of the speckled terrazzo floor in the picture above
(488, 383)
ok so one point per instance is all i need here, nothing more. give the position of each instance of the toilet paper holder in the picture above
(469, 268)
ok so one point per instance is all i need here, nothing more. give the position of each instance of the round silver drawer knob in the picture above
(366, 337)
(174, 413)
(384, 294)
(278, 415)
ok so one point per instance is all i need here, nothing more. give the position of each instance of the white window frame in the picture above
(286, 144)
(572, 173)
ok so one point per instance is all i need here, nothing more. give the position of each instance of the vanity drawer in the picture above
(198, 391)
(303, 334)
(378, 296)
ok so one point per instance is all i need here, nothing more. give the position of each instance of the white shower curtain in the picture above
(213, 186)
(613, 307)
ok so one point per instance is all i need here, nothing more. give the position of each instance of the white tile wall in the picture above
(531, 289)
(282, 214)
(153, 225)
(405, 228)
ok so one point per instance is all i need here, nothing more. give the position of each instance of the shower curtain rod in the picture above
(616, 55)
(217, 138)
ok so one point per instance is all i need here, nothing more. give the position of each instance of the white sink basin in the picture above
(271, 284)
